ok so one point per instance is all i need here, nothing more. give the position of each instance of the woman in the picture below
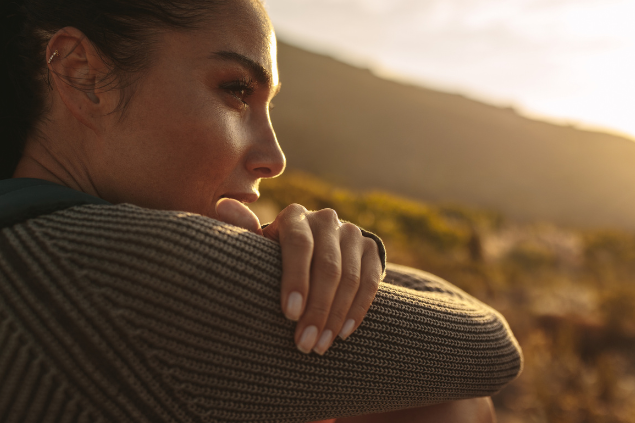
(115, 312)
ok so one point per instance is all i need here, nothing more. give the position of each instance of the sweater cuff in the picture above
(381, 249)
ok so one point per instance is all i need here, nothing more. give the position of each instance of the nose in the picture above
(266, 160)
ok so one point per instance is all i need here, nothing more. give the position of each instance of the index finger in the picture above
(236, 213)
(291, 228)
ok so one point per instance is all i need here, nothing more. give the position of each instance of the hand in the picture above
(330, 271)
(236, 213)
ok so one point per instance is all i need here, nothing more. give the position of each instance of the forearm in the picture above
(178, 317)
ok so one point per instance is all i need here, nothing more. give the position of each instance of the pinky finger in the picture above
(369, 283)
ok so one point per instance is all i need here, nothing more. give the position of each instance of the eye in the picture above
(240, 88)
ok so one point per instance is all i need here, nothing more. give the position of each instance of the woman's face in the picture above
(197, 127)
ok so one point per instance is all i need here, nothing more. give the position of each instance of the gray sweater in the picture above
(124, 314)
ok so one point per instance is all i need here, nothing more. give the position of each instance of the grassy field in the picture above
(568, 294)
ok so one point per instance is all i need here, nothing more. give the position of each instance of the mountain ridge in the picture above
(351, 127)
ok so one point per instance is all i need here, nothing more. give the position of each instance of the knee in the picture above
(478, 410)
(474, 410)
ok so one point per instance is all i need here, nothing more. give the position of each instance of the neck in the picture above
(56, 150)
(39, 162)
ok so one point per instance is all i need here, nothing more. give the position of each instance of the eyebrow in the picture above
(262, 75)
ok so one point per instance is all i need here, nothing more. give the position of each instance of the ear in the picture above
(79, 75)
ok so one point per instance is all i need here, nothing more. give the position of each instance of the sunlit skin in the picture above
(195, 131)
(198, 107)
(196, 136)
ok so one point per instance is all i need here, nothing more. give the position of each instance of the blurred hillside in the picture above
(567, 294)
(357, 130)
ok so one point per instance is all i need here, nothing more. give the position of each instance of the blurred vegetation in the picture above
(568, 294)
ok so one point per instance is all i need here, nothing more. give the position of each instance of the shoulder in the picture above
(127, 221)
(193, 305)
(95, 237)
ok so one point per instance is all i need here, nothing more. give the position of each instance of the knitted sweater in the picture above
(124, 314)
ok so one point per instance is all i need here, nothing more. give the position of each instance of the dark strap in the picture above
(26, 198)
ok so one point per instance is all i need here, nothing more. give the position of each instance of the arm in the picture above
(331, 269)
(148, 316)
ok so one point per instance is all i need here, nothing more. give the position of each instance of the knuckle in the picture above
(330, 267)
(350, 278)
(370, 245)
(329, 215)
(299, 239)
(372, 284)
(337, 316)
(372, 290)
(350, 229)
(358, 311)
(294, 208)
(361, 308)
(319, 310)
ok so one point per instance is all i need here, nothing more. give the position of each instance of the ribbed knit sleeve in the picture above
(123, 314)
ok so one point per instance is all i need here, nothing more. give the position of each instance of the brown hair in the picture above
(122, 31)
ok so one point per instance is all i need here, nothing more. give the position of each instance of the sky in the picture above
(568, 61)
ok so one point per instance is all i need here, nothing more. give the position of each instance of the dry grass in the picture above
(567, 294)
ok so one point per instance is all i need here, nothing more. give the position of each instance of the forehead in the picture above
(242, 26)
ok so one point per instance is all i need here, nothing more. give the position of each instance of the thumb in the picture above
(236, 213)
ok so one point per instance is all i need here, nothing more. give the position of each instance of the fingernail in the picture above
(347, 329)
(307, 340)
(294, 306)
(324, 343)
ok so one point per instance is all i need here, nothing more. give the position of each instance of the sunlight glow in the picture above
(571, 61)
(273, 48)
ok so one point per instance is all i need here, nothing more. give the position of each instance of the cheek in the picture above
(178, 153)
(200, 152)
(190, 130)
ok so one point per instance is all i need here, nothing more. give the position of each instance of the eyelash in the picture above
(240, 88)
